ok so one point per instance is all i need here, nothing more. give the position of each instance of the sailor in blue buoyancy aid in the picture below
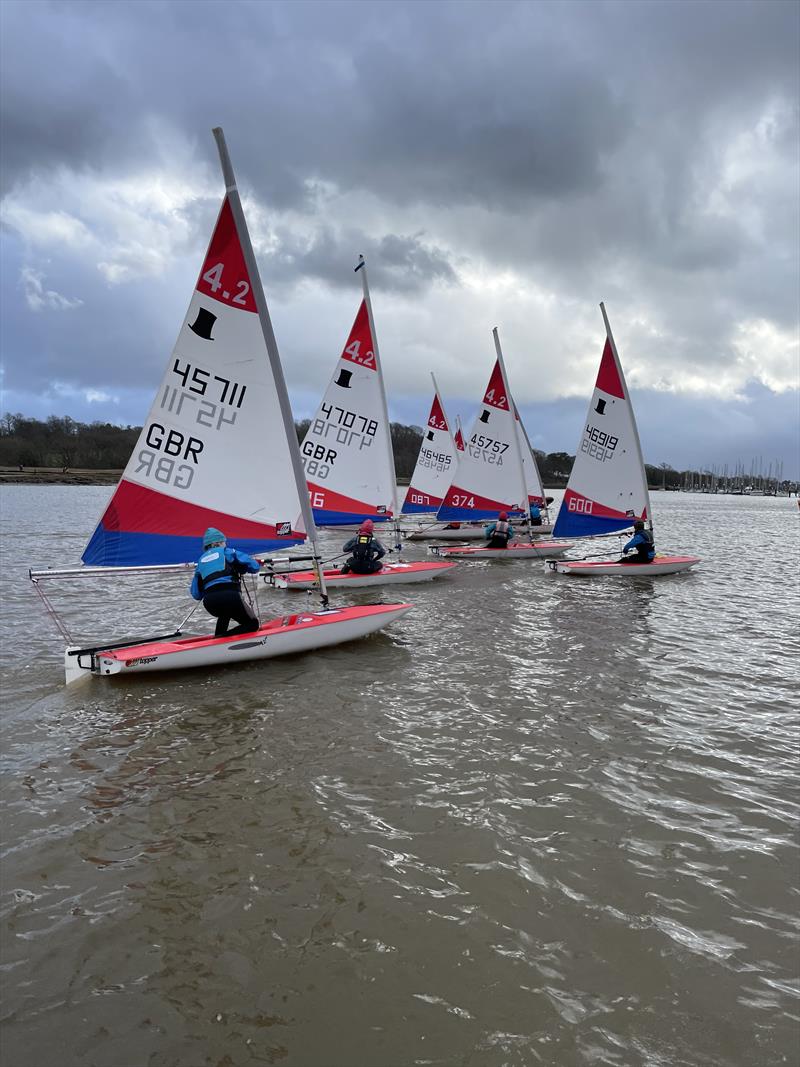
(499, 533)
(365, 550)
(536, 515)
(216, 583)
(642, 543)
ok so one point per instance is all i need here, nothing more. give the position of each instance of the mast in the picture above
(362, 266)
(633, 417)
(272, 350)
(513, 410)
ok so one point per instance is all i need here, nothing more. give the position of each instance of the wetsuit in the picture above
(642, 542)
(217, 583)
(366, 554)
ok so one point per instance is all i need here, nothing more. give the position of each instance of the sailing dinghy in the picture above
(491, 478)
(349, 459)
(218, 449)
(607, 488)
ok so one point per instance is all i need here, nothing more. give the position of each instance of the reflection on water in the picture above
(539, 820)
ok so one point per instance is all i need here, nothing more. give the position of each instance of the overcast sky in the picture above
(506, 164)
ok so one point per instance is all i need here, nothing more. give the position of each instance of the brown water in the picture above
(537, 821)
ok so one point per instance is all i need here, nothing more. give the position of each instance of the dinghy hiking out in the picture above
(607, 489)
(349, 459)
(491, 477)
(222, 406)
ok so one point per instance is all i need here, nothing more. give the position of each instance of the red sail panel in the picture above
(360, 348)
(436, 419)
(224, 276)
(608, 376)
(495, 395)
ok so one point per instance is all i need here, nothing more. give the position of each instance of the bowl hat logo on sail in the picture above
(204, 324)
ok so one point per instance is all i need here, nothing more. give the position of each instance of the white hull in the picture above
(278, 637)
(390, 574)
(516, 550)
(464, 533)
(589, 569)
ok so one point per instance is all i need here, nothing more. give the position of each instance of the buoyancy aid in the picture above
(214, 568)
(362, 552)
(502, 530)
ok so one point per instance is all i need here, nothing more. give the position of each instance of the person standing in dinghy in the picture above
(217, 583)
(499, 533)
(366, 551)
(641, 543)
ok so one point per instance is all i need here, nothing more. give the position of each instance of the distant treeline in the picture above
(63, 442)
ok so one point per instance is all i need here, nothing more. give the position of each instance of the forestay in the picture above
(607, 489)
(488, 479)
(347, 450)
(436, 463)
(213, 449)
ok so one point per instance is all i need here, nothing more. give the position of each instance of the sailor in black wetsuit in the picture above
(642, 543)
(366, 551)
(217, 583)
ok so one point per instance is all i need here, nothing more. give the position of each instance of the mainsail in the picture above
(347, 452)
(436, 463)
(489, 476)
(213, 450)
(607, 489)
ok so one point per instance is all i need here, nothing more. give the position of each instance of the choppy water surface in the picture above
(538, 821)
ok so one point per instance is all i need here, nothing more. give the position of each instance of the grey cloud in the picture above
(399, 263)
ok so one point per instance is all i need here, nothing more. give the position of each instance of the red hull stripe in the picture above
(137, 509)
(231, 284)
(607, 376)
(339, 502)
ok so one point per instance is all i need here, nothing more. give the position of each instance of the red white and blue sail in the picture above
(607, 489)
(213, 449)
(489, 476)
(347, 450)
(436, 464)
